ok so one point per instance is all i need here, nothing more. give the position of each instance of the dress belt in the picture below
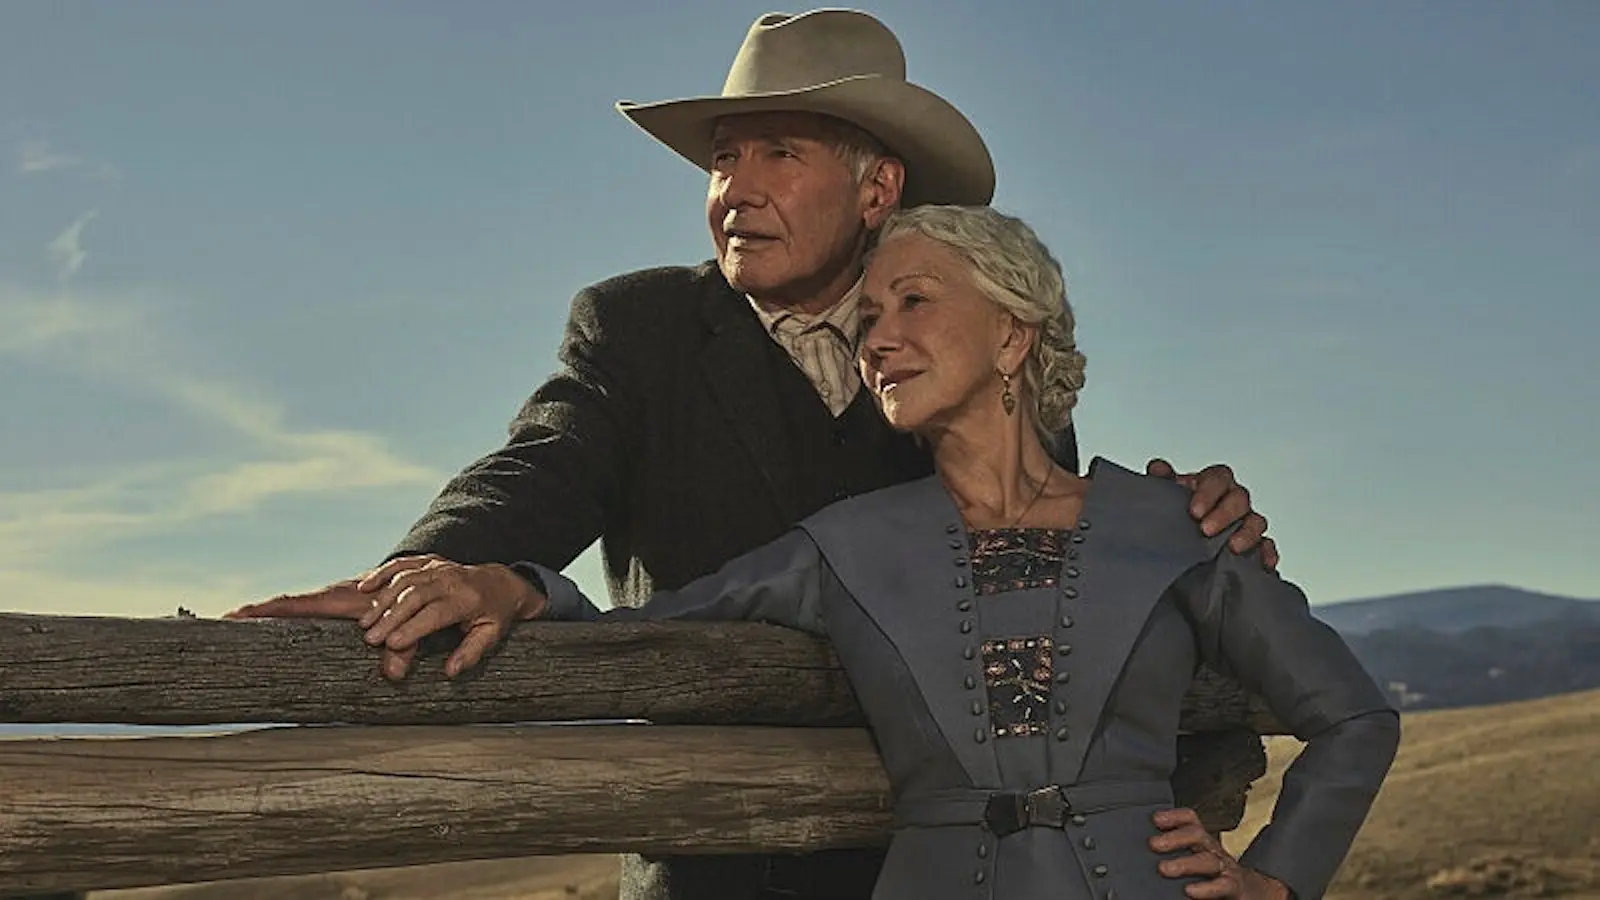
(1006, 812)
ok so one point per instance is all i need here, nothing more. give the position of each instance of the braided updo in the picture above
(1016, 270)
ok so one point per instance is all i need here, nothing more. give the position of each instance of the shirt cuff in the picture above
(565, 602)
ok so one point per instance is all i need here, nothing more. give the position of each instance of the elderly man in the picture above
(703, 411)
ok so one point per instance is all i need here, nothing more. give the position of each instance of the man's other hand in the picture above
(1220, 501)
(1225, 876)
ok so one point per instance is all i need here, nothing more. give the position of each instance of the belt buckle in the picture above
(1047, 806)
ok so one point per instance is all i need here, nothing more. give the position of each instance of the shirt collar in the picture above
(842, 317)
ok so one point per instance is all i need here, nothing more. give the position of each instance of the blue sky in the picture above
(269, 273)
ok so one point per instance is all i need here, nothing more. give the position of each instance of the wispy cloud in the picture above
(85, 592)
(33, 322)
(37, 157)
(118, 339)
(66, 249)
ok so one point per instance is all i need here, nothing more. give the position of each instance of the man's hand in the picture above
(1220, 501)
(483, 600)
(410, 602)
(340, 600)
(1181, 829)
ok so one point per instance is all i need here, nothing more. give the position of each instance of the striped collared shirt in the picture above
(823, 346)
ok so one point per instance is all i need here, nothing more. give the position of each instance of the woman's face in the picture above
(931, 341)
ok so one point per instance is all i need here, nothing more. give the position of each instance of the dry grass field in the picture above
(1494, 801)
(1497, 801)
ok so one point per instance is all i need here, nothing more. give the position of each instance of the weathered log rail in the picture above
(755, 744)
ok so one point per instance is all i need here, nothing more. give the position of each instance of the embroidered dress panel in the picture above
(1018, 665)
(1016, 559)
(1017, 673)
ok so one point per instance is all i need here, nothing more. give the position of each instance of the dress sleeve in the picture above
(781, 583)
(1259, 628)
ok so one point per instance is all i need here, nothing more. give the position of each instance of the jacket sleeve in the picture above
(781, 583)
(1259, 628)
(552, 488)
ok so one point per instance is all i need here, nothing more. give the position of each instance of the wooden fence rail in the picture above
(755, 745)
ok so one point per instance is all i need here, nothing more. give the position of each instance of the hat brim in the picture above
(946, 160)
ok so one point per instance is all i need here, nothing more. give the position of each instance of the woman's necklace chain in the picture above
(1043, 482)
(1031, 503)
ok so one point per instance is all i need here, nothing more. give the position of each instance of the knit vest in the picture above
(841, 457)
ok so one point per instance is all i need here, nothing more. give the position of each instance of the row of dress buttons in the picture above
(964, 605)
(1099, 870)
(1064, 648)
(970, 682)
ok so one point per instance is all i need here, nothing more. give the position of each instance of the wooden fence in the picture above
(754, 744)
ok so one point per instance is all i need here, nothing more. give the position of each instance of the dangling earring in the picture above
(1007, 399)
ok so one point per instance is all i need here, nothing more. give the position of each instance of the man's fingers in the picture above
(1176, 817)
(336, 601)
(386, 598)
(1252, 528)
(408, 602)
(397, 662)
(480, 639)
(1269, 553)
(381, 576)
(1224, 885)
(1160, 468)
(1200, 863)
(1186, 836)
(1214, 489)
(437, 615)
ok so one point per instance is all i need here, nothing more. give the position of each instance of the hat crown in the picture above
(785, 52)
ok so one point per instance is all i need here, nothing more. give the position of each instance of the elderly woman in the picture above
(1019, 636)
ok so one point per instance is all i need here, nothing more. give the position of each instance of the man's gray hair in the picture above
(1016, 270)
(858, 148)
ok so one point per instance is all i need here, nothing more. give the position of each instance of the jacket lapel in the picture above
(734, 363)
(902, 554)
(1134, 538)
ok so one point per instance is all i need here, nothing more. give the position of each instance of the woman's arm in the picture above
(780, 583)
(1259, 628)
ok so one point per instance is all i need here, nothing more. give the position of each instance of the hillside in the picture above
(1424, 669)
(1496, 801)
(1451, 610)
(1471, 646)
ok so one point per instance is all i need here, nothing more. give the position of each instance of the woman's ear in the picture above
(1016, 344)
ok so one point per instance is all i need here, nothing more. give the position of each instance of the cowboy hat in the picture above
(841, 63)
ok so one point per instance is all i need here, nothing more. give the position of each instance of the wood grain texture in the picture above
(201, 672)
(89, 814)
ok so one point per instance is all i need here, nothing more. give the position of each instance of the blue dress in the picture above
(1024, 686)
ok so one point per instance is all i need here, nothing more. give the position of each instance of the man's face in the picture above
(786, 214)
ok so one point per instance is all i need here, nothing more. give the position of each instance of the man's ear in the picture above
(881, 190)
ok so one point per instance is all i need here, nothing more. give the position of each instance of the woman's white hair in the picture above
(1016, 270)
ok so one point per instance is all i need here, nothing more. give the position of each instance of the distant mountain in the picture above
(1469, 646)
(1423, 669)
(1455, 610)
